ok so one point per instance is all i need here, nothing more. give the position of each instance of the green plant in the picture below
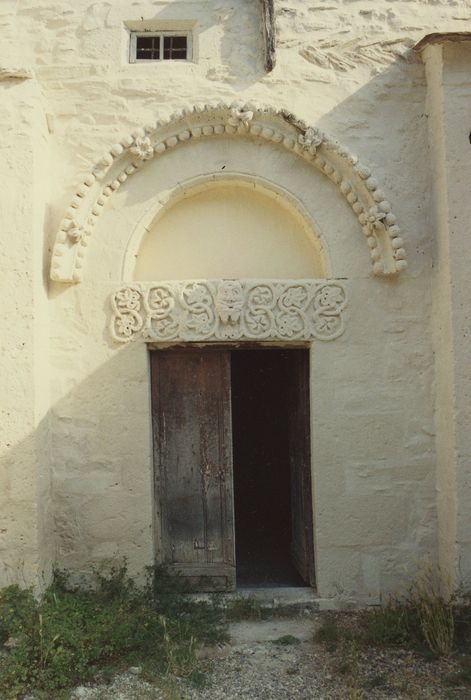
(350, 666)
(328, 634)
(434, 611)
(179, 647)
(354, 692)
(243, 608)
(463, 675)
(69, 634)
(376, 681)
(198, 680)
(390, 625)
(423, 618)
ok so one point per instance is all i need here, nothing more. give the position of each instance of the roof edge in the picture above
(441, 38)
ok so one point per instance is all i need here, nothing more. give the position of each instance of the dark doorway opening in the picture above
(262, 382)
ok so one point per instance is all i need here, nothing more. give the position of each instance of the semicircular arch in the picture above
(278, 128)
(307, 245)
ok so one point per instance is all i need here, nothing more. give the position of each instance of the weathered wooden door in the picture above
(191, 409)
(302, 544)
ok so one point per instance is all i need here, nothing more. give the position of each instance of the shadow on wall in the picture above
(96, 443)
(385, 123)
(101, 447)
(235, 31)
(26, 540)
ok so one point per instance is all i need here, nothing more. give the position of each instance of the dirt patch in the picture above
(278, 659)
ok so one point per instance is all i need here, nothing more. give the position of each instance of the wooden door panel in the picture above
(193, 462)
(302, 545)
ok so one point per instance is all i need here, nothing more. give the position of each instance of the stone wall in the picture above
(26, 542)
(449, 90)
(76, 406)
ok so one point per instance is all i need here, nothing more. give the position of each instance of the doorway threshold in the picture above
(298, 600)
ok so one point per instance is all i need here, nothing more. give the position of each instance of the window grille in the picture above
(160, 46)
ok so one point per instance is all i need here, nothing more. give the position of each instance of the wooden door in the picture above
(191, 410)
(302, 544)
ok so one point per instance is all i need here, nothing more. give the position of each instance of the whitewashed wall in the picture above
(75, 435)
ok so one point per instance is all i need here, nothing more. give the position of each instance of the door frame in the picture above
(233, 345)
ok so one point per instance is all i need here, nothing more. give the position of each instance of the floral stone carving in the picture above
(217, 310)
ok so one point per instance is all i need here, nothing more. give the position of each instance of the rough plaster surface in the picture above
(76, 447)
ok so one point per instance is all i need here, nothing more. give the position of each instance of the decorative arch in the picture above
(281, 128)
(202, 183)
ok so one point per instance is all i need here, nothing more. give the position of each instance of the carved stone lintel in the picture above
(222, 310)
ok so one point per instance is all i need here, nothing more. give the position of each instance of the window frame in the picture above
(134, 35)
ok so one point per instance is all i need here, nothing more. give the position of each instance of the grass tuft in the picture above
(329, 634)
(434, 611)
(246, 608)
(423, 619)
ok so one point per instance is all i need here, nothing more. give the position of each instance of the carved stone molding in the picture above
(278, 127)
(225, 310)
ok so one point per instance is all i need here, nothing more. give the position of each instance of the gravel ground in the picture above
(257, 666)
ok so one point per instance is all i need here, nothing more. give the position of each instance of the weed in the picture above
(351, 666)
(465, 671)
(329, 634)
(349, 663)
(389, 626)
(462, 615)
(344, 668)
(69, 635)
(243, 608)
(422, 619)
(354, 692)
(463, 676)
(198, 680)
(179, 647)
(376, 681)
(434, 611)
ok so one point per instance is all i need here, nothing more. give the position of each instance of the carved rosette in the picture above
(221, 310)
(128, 316)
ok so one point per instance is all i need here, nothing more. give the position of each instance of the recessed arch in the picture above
(309, 247)
(278, 129)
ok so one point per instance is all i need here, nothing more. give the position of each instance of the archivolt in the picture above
(281, 128)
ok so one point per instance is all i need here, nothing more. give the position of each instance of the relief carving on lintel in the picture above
(226, 310)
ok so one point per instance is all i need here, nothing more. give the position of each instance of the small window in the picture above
(160, 46)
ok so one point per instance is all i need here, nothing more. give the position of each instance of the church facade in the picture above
(235, 311)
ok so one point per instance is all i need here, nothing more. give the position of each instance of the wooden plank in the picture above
(269, 32)
(302, 544)
(191, 411)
